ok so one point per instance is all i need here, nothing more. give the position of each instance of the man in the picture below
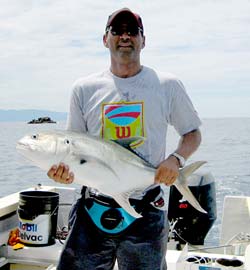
(128, 101)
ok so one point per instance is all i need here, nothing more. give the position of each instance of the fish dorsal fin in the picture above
(128, 142)
(188, 170)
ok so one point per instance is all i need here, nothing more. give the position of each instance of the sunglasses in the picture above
(120, 30)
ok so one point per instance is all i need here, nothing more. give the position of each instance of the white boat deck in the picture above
(41, 258)
(47, 258)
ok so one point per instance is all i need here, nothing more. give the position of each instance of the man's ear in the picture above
(143, 42)
(105, 43)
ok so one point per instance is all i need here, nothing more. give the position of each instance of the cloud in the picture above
(47, 45)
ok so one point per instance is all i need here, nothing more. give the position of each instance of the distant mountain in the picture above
(27, 115)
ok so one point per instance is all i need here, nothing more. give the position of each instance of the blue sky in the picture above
(46, 45)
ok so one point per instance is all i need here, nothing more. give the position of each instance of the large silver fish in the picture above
(101, 164)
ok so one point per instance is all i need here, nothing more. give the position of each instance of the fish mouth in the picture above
(25, 150)
(22, 146)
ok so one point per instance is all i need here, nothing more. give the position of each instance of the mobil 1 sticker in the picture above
(34, 231)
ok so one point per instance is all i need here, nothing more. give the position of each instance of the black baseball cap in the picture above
(124, 13)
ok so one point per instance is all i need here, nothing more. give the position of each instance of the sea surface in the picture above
(225, 147)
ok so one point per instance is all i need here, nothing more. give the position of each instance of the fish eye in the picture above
(34, 136)
(66, 141)
(82, 161)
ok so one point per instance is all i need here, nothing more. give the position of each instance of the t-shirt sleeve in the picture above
(75, 120)
(183, 116)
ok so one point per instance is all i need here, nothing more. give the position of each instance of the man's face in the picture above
(124, 41)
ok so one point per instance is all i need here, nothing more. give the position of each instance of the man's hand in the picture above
(61, 174)
(168, 171)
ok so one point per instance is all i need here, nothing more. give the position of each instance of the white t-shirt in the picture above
(140, 106)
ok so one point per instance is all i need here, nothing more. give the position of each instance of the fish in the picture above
(101, 164)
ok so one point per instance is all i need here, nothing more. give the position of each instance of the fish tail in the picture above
(182, 186)
(188, 170)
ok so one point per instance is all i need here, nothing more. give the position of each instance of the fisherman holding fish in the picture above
(131, 104)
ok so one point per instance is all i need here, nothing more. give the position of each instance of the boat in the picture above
(232, 252)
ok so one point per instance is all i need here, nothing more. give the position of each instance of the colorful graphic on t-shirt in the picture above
(122, 120)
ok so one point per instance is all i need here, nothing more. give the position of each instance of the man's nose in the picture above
(125, 36)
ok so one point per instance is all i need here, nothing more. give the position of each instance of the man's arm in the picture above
(168, 170)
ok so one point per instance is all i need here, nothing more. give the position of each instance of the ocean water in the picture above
(225, 147)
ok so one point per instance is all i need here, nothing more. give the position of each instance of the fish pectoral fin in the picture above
(188, 195)
(82, 159)
(122, 200)
(188, 170)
